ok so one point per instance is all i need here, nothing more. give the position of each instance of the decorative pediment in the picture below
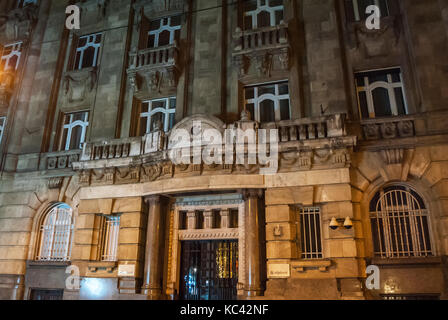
(18, 24)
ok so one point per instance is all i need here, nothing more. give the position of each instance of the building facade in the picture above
(87, 115)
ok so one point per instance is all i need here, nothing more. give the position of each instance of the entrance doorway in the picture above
(209, 270)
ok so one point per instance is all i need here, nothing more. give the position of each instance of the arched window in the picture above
(400, 224)
(262, 13)
(56, 234)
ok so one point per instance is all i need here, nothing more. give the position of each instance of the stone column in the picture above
(225, 219)
(208, 219)
(152, 277)
(253, 246)
(191, 220)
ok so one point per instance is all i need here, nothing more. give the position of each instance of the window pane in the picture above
(75, 139)
(400, 101)
(363, 105)
(284, 110)
(381, 102)
(267, 111)
(266, 89)
(250, 108)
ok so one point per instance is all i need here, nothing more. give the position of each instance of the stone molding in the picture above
(18, 24)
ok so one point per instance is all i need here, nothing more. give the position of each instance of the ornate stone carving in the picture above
(387, 129)
(55, 183)
(392, 156)
(18, 24)
(264, 65)
(79, 84)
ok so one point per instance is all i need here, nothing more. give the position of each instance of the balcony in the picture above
(154, 68)
(262, 50)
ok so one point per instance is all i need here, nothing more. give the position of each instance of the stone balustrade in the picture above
(154, 57)
(263, 38)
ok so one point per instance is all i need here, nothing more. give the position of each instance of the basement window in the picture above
(309, 224)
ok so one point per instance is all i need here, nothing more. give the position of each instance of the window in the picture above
(2, 127)
(400, 224)
(164, 31)
(381, 93)
(157, 112)
(56, 234)
(310, 235)
(87, 51)
(74, 130)
(268, 102)
(24, 3)
(262, 13)
(11, 56)
(356, 9)
(109, 237)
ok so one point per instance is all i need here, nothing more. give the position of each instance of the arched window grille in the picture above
(164, 31)
(56, 234)
(262, 13)
(400, 224)
(158, 110)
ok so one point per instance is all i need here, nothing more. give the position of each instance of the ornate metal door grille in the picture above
(209, 270)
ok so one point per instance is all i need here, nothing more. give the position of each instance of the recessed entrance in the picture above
(209, 270)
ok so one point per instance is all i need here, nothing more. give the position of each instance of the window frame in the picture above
(97, 47)
(16, 51)
(318, 239)
(167, 111)
(84, 124)
(390, 86)
(164, 27)
(109, 242)
(24, 3)
(408, 212)
(276, 98)
(260, 8)
(3, 120)
(46, 241)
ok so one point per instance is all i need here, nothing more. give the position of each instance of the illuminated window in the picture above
(400, 224)
(87, 51)
(164, 31)
(310, 233)
(262, 13)
(109, 237)
(268, 102)
(356, 9)
(2, 127)
(157, 112)
(74, 130)
(11, 56)
(56, 234)
(381, 93)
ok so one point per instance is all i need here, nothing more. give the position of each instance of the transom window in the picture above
(164, 31)
(268, 102)
(23, 3)
(381, 93)
(310, 233)
(157, 112)
(87, 51)
(2, 127)
(356, 9)
(74, 130)
(109, 237)
(262, 13)
(11, 56)
(400, 224)
(56, 234)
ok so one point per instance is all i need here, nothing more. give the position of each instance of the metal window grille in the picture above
(56, 235)
(111, 229)
(268, 102)
(381, 93)
(74, 130)
(87, 51)
(158, 109)
(10, 58)
(400, 224)
(359, 9)
(272, 8)
(310, 233)
(168, 28)
(2, 127)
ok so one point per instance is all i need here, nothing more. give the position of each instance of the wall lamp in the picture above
(346, 223)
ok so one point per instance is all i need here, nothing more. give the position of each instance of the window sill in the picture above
(302, 265)
(406, 261)
(108, 266)
(37, 263)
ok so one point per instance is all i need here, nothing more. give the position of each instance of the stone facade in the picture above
(330, 157)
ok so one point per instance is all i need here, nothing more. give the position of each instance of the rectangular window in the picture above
(10, 57)
(157, 114)
(74, 130)
(87, 51)
(109, 237)
(262, 13)
(381, 93)
(310, 233)
(268, 102)
(2, 127)
(164, 31)
(356, 9)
